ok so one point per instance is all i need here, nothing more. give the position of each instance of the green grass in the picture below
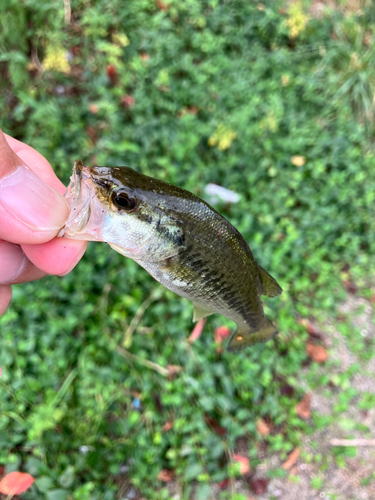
(193, 70)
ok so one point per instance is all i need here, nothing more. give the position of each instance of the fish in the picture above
(179, 239)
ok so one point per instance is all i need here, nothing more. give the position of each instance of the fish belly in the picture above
(209, 296)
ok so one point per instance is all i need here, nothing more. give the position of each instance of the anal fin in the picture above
(245, 337)
(201, 312)
(269, 285)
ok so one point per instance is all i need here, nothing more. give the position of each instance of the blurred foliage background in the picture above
(273, 100)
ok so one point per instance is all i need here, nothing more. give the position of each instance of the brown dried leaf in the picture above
(286, 390)
(350, 286)
(112, 73)
(311, 329)
(92, 133)
(223, 484)
(164, 88)
(259, 486)
(298, 160)
(317, 353)
(187, 110)
(15, 483)
(292, 459)
(162, 6)
(303, 407)
(222, 333)
(93, 108)
(167, 426)
(76, 50)
(221, 431)
(317, 9)
(127, 101)
(173, 370)
(144, 56)
(244, 463)
(263, 428)
(165, 475)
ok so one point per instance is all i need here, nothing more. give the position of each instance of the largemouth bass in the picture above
(177, 238)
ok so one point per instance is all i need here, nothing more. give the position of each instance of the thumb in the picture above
(31, 211)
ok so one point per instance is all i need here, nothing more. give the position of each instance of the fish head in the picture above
(123, 208)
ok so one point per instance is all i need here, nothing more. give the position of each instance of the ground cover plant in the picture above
(102, 395)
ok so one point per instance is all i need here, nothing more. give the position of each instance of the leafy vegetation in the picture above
(100, 390)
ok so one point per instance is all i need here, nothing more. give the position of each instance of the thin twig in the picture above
(127, 339)
(67, 11)
(142, 361)
(352, 442)
(36, 61)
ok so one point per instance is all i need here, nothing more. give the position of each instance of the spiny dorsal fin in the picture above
(269, 285)
(245, 337)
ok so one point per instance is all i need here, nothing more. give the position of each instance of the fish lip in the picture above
(77, 178)
(78, 166)
(80, 196)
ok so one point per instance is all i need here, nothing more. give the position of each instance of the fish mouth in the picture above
(86, 213)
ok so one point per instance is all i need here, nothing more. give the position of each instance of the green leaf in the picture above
(57, 495)
(192, 471)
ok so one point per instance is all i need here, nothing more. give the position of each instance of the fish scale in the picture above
(177, 238)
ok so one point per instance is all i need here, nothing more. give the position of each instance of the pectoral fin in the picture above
(201, 312)
(269, 285)
(245, 337)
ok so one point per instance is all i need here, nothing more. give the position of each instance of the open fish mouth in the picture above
(86, 217)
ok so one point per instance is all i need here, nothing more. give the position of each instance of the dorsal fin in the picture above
(269, 285)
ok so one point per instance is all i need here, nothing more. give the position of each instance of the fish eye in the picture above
(123, 202)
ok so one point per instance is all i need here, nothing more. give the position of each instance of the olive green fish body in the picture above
(216, 270)
(182, 242)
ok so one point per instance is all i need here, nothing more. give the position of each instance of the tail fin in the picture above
(270, 286)
(245, 337)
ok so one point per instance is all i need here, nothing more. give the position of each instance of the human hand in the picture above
(32, 211)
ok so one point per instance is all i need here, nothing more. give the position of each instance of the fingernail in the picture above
(12, 262)
(32, 201)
